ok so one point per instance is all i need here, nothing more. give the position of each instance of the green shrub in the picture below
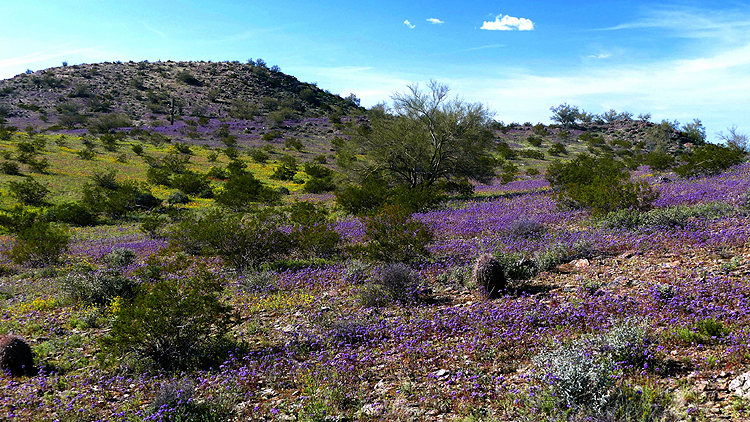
(98, 287)
(191, 182)
(39, 244)
(600, 184)
(114, 203)
(74, 213)
(534, 141)
(392, 235)
(659, 160)
(551, 256)
(709, 159)
(286, 170)
(178, 322)
(10, 168)
(241, 241)
(258, 155)
(120, 257)
(363, 199)
(532, 153)
(28, 191)
(557, 148)
(241, 191)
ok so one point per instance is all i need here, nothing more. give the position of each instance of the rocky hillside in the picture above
(133, 94)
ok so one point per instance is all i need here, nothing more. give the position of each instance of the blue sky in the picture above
(675, 60)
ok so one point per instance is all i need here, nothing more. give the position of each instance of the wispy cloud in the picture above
(41, 56)
(154, 30)
(599, 56)
(407, 23)
(693, 22)
(508, 23)
(435, 21)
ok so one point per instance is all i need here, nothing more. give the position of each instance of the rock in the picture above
(581, 263)
(441, 373)
(372, 409)
(740, 386)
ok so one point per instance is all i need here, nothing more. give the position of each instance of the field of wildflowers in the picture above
(648, 321)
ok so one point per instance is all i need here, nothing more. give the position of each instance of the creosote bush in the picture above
(175, 322)
(98, 287)
(600, 184)
(393, 235)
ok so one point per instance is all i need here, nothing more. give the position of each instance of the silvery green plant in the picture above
(577, 376)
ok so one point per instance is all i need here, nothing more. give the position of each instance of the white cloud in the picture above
(599, 56)
(407, 23)
(508, 23)
(434, 21)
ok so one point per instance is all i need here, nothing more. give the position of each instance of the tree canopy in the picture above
(426, 137)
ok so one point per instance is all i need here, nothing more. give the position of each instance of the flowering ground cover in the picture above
(659, 312)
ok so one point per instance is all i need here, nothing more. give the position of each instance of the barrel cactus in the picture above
(489, 276)
(15, 356)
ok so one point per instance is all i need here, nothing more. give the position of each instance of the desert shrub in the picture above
(16, 356)
(294, 143)
(709, 159)
(359, 200)
(313, 234)
(516, 266)
(218, 173)
(534, 141)
(39, 244)
(241, 191)
(557, 148)
(154, 225)
(321, 179)
(10, 168)
(600, 184)
(357, 272)
(393, 235)
(106, 122)
(159, 176)
(98, 287)
(548, 258)
(505, 151)
(526, 228)
(399, 281)
(241, 241)
(577, 377)
(177, 322)
(258, 155)
(188, 78)
(105, 179)
(258, 281)
(373, 295)
(178, 198)
(120, 257)
(659, 160)
(489, 276)
(286, 170)
(671, 217)
(137, 149)
(626, 344)
(28, 191)
(191, 182)
(74, 213)
(532, 171)
(532, 153)
(114, 203)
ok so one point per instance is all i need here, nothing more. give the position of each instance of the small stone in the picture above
(372, 409)
(440, 373)
(267, 393)
(581, 263)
